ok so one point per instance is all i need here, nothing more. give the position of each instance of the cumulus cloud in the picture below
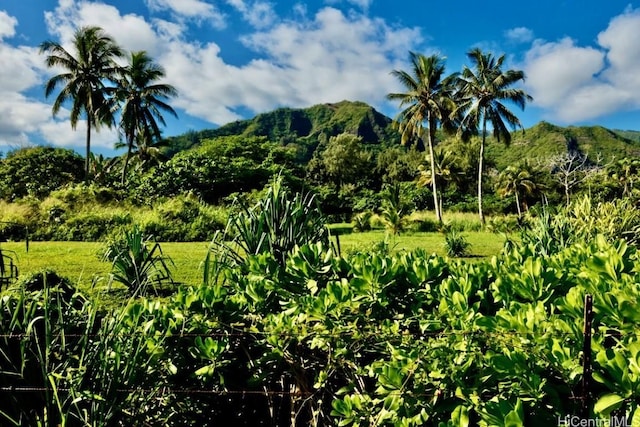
(59, 133)
(20, 70)
(577, 83)
(190, 9)
(620, 40)
(557, 69)
(131, 31)
(324, 59)
(362, 4)
(519, 35)
(259, 14)
(7, 25)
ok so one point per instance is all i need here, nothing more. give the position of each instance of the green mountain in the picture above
(545, 140)
(307, 126)
(633, 135)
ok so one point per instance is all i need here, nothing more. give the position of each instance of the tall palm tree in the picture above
(142, 102)
(448, 171)
(427, 103)
(520, 180)
(482, 91)
(87, 68)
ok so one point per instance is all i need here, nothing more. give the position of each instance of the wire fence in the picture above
(524, 341)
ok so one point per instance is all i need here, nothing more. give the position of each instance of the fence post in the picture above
(586, 356)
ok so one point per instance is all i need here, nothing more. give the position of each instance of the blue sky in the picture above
(232, 59)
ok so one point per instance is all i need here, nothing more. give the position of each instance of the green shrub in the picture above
(37, 171)
(277, 224)
(183, 219)
(424, 225)
(91, 225)
(504, 224)
(138, 262)
(456, 244)
(79, 195)
(362, 221)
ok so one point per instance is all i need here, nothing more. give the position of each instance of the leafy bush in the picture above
(393, 209)
(362, 221)
(184, 218)
(503, 224)
(91, 225)
(456, 243)
(37, 171)
(138, 262)
(68, 365)
(276, 225)
(582, 221)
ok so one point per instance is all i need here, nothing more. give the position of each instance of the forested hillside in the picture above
(309, 126)
(306, 127)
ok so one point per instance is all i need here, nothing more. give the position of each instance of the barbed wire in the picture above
(362, 334)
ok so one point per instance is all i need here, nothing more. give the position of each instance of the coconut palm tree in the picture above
(482, 91)
(427, 103)
(520, 180)
(87, 69)
(141, 102)
(447, 171)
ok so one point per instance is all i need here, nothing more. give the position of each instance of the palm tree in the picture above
(519, 180)
(429, 102)
(88, 67)
(147, 153)
(142, 104)
(482, 91)
(447, 171)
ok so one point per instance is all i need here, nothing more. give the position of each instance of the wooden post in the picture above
(586, 357)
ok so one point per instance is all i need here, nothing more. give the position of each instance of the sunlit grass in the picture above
(81, 263)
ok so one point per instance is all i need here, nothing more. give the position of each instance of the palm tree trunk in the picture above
(434, 187)
(126, 160)
(518, 205)
(87, 159)
(480, 167)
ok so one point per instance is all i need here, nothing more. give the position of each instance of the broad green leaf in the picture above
(607, 403)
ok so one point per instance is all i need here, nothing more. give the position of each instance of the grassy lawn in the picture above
(80, 262)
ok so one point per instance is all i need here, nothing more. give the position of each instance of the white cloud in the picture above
(190, 9)
(555, 70)
(59, 133)
(519, 35)
(578, 83)
(362, 4)
(21, 69)
(326, 59)
(258, 13)
(131, 31)
(7, 25)
(620, 39)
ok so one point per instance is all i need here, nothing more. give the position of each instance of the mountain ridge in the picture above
(312, 126)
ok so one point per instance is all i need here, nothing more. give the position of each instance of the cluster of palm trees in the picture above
(462, 103)
(105, 93)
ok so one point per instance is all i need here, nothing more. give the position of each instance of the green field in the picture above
(80, 261)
